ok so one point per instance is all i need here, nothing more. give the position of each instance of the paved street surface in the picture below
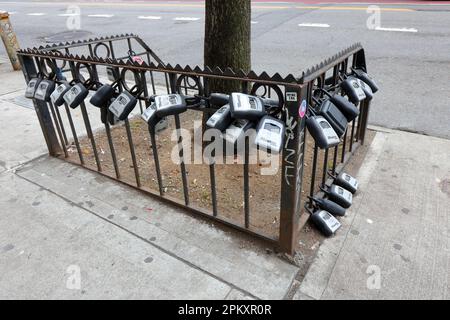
(395, 242)
(408, 54)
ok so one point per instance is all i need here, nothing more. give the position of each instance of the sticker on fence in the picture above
(291, 96)
(302, 109)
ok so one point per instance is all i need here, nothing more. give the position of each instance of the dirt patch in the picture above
(265, 190)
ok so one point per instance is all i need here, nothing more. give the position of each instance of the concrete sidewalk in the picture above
(395, 241)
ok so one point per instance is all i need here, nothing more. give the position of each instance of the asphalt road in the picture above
(409, 56)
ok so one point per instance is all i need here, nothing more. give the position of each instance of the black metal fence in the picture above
(237, 196)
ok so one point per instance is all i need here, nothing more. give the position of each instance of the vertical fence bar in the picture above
(173, 89)
(104, 110)
(182, 164)
(74, 134)
(111, 147)
(246, 184)
(133, 153)
(127, 123)
(364, 119)
(86, 119)
(212, 179)
(90, 135)
(325, 167)
(335, 156)
(212, 176)
(149, 60)
(314, 170)
(156, 159)
(358, 127)
(58, 129)
(344, 146)
(58, 114)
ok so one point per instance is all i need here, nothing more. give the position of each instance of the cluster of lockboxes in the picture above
(327, 121)
(236, 113)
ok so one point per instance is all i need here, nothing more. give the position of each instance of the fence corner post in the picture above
(292, 168)
(41, 108)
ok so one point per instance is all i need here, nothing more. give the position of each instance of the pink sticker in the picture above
(302, 109)
(137, 59)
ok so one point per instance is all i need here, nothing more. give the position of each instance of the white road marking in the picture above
(186, 19)
(100, 15)
(314, 25)
(36, 14)
(149, 18)
(396, 29)
(254, 22)
(68, 14)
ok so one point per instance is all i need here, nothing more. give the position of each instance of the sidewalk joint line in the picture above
(188, 263)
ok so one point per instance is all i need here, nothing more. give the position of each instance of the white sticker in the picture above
(291, 96)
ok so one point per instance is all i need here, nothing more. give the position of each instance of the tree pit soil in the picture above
(265, 190)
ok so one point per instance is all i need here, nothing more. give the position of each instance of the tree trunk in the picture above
(227, 40)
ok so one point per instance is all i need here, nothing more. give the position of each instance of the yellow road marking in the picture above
(187, 5)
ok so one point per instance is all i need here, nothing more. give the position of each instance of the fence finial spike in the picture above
(208, 70)
(229, 72)
(290, 78)
(241, 73)
(264, 76)
(218, 71)
(277, 77)
(252, 75)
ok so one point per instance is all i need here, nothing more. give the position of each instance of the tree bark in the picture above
(227, 40)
